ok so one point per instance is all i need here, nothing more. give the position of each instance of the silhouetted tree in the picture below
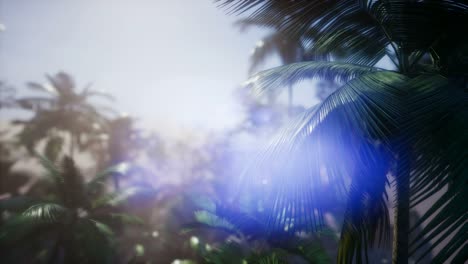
(60, 108)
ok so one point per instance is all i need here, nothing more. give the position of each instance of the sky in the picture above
(172, 64)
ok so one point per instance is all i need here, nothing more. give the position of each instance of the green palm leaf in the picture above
(366, 220)
(123, 195)
(214, 221)
(282, 76)
(42, 88)
(101, 177)
(359, 31)
(46, 212)
(267, 46)
(39, 216)
(344, 125)
(95, 240)
(229, 253)
(439, 136)
(17, 203)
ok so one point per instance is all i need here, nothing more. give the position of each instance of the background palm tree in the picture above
(402, 123)
(289, 49)
(61, 108)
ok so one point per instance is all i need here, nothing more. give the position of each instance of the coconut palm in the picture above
(407, 124)
(73, 225)
(289, 49)
(61, 108)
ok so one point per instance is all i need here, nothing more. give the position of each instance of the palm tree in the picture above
(408, 124)
(116, 142)
(289, 49)
(61, 108)
(72, 226)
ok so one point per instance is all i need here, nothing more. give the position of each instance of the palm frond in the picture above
(430, 120)
(87, 93)
(366, 222)
(264, 48)
(16, 229)
(46, 213)
(314, 252)
(234, 220)
(359, 31)
(122, 196)
(331, 29)
(230, 253)
(439, 137)
(63, 84)
(52, 170)
(282, 76)
(72, 189)
(38, 216)
(95, 240)
(42, 88)
(214, 221)
(34, 103)
(101, 177)
(403, 20)
(17, 203)
(346, 125)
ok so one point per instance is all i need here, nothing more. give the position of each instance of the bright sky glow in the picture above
(173, 64)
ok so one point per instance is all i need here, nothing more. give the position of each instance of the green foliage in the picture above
(75, 227)
(121, 196)
(279, 77)
(407, 123)
(213, 220)
(119, 169)
(53, 148)
(247, 239)
(60, 108)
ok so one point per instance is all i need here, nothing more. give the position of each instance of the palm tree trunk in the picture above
(72, 145)
(290, 99)
(402, 216)
(402, 178)
(54, 256)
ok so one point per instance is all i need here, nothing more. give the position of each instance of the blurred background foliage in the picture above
(151, 200)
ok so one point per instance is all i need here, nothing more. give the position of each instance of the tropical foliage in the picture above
(245, 238)
(61, 108)
(73, 225)
(383, 123)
